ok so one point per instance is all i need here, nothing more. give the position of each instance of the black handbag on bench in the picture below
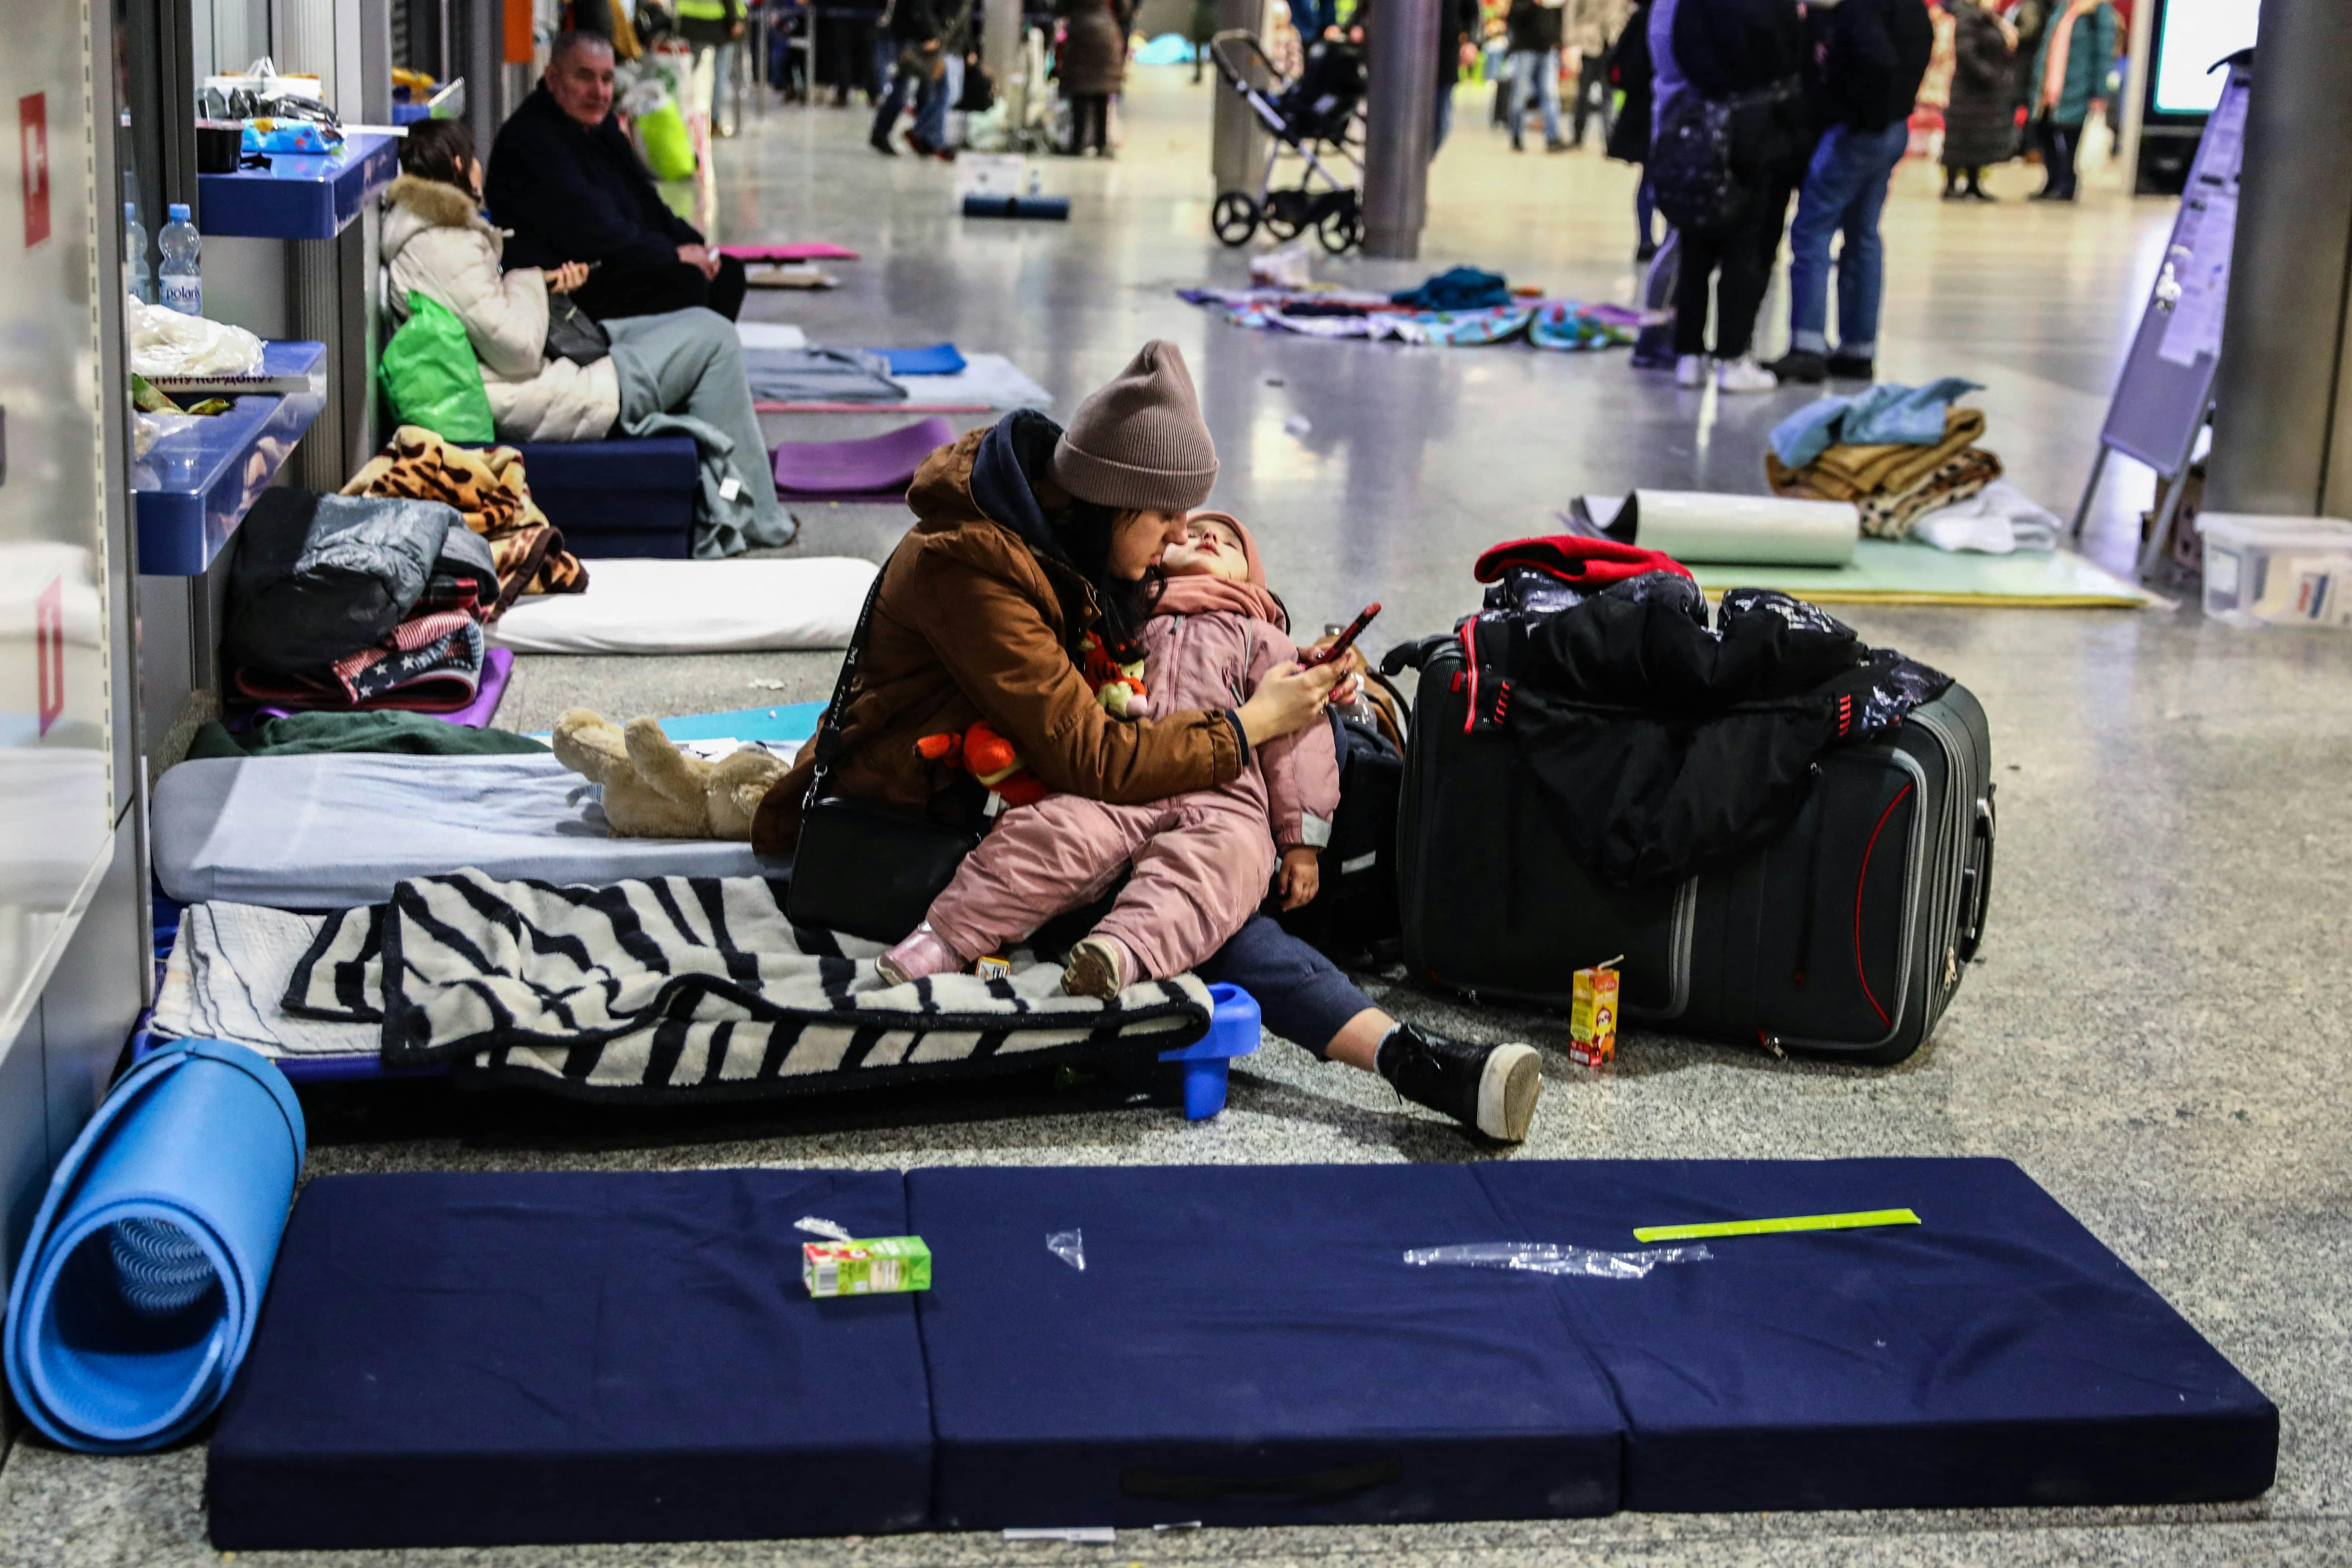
(868, 868)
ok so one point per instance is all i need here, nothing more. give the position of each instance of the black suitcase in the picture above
(1846, 936)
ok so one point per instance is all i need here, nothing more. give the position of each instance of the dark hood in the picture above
(1014, 456)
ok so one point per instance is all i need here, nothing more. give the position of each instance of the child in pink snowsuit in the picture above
(1201, 862)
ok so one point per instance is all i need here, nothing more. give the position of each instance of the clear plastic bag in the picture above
(1550, 1257)
(1070, 1246)
(824, 1227)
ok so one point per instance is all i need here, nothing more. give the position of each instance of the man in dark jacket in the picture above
(1534, 61)
(566, 179)
(1873, 54)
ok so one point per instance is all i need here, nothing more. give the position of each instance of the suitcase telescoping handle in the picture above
(1976, 882)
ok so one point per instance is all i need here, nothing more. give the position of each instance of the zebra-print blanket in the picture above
(690, 987)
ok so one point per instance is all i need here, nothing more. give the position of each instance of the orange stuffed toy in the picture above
(990, 757)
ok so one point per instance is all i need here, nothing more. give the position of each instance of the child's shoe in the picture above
(920, 955)
(1098, 966)
(1690, 370)
(1493, 1089)
(1744, 375)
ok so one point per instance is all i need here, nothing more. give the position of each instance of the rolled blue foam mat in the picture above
(1051, 208)
(136, 1294)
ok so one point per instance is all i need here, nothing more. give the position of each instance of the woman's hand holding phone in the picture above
(1286, 700)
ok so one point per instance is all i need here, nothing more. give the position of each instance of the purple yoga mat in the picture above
(498, 666)
(879, 465)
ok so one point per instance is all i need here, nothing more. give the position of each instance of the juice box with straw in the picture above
(1592, 1015)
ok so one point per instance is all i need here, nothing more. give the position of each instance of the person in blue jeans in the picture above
(1873, 54)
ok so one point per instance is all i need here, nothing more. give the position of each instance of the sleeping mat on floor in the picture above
(1993, 1355)
(1243, 1346)
(481, 1359)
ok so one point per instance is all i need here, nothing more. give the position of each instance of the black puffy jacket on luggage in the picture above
(1789, 839)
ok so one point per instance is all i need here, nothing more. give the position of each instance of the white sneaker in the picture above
(1691, 370)
(1744, 375)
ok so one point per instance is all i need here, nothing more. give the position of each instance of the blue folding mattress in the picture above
(481, 1359)
(1993, 1355)
(454, 1358)
(1244, 1346)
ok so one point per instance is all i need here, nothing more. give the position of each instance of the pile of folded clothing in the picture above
(342, 602)
(488, 489)
(1897, 453)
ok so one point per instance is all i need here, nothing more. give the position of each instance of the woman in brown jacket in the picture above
(1026, 538)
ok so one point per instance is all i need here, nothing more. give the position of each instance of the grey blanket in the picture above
(821, 375)
(682, 373)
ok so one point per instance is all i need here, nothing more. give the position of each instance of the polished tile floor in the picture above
(2158, 1031)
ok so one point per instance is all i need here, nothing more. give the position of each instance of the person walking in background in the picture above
(1750, 55)
(1534, 66)
(912, 30)
(2070, 76)
(1092, 65)
(1980, 121)
(713, 27)
(1630, 72)
(1872, 55)
(1592, 26)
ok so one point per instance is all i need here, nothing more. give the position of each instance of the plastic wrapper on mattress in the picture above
(1070, 1246)
(1548, 1257)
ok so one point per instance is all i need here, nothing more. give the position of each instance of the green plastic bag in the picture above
(432, 377)
(669, 152)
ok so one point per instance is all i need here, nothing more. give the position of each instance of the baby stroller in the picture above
(1316, 117)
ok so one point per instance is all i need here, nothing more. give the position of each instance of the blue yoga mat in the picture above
(136, 1294)
(785, 721)
(940, 359)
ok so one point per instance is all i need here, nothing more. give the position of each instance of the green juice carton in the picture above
(873, 1267)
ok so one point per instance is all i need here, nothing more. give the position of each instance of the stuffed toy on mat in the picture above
(653, 790)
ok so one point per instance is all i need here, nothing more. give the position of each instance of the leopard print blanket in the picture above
(487, 488)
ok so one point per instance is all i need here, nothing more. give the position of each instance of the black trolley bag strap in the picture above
(868, 868)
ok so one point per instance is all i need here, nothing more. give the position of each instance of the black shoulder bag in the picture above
(866, 867)
(573, 333)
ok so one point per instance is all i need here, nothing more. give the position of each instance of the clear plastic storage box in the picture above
(2262, 571)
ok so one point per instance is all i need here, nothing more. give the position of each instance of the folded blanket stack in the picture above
(1897, 453)
(340, 602)
(488, 489)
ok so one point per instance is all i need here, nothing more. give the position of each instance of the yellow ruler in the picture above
(1774, 1226)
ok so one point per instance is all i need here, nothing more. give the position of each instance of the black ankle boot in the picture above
(1492, 1089)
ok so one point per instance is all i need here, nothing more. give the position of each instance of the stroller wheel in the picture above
(1341, 229)
(1234, 220)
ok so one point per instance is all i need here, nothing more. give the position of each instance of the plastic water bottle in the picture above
(183, 284)
(138, 280)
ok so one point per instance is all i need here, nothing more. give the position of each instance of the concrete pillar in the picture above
(1000, 45)
(1402, 110)
(1237, 142)
(2283, 421)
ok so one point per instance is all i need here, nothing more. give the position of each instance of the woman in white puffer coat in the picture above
(678, 373)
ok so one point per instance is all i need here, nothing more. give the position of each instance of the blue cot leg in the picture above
(1205, 1088)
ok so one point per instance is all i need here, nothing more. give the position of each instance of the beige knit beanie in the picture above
(1139, 441)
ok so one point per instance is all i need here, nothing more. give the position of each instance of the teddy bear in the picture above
(653, 790)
